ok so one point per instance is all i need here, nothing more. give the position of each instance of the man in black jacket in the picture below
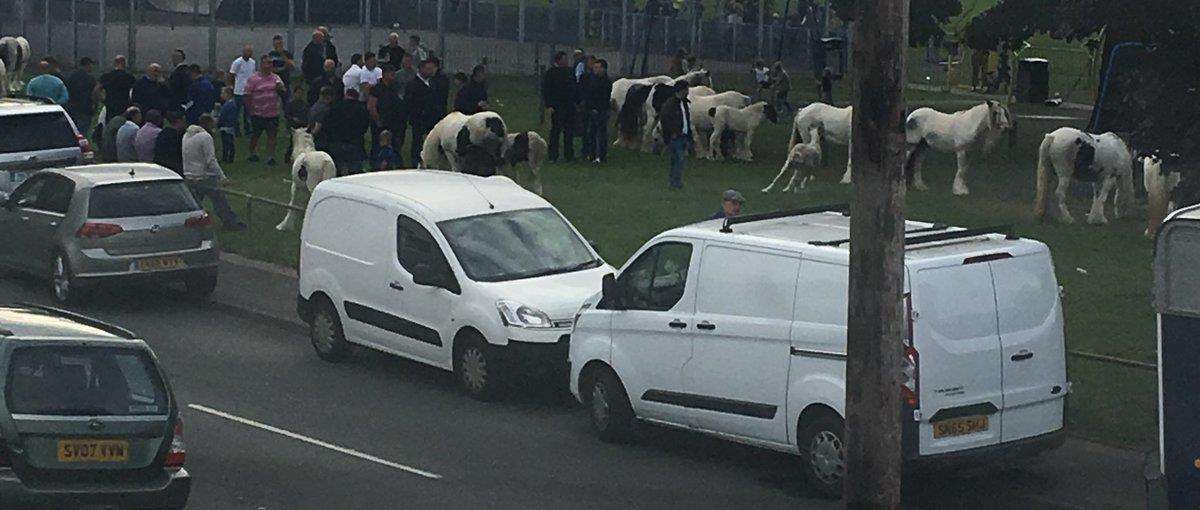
(312, 64)
(560, 93)
(420, 101)
(168, 146)
(595, 87)
(150, 93)
(347, 124)
(675, 118)
(180, 79)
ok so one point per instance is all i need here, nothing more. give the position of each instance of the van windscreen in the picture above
(84, 381)
(517, 244)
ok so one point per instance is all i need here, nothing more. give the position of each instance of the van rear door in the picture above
(960, 357)
(1031, 334)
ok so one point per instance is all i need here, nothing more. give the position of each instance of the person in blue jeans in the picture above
(676, 121)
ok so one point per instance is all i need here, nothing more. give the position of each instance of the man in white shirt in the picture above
(368, 76)
(242, 69)
(350, 80)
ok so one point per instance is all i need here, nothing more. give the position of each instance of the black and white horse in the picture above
(14, 58)
(526, 149)
(1104, 160)
(471, 144)
(958, 132)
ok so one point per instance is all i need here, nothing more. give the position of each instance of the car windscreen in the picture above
(84, 381)
(143, 198)
(517, 244)
(36, 132)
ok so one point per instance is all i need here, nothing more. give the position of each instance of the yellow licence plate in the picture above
(960, 426)
(160, 264)
(93, 450)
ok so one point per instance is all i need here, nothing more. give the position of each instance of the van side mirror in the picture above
(610, 294)
(431, 276)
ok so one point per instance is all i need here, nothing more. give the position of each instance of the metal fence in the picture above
(147, 29)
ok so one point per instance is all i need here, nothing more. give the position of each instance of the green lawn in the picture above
(1106, 271)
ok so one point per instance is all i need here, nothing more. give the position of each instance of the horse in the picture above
(956, 132)
(310, 167)
(801, 156)
(465, 143)
(662, 91)
(1104, 160)
(827, 123)
(528, 148)
(1160, 186)
(743, 121)
(14, 53)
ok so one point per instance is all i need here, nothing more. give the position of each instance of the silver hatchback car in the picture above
(84, 225)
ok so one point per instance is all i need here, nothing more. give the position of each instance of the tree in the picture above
(925, 16)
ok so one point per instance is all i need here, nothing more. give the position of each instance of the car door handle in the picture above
(706, 326)
(53, 223)
(24, 218)
(677, 324)
(1022, 356)
(396, 285)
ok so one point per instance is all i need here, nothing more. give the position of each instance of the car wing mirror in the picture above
(610, 294)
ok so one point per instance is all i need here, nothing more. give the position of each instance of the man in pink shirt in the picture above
(262, 99)
(143, 141)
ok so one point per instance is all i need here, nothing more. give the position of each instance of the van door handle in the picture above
(396, 285)
(706, 326)
(677, 324)
(1022, 356)
(24, 218)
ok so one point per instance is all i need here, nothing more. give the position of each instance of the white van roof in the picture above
(444, 195)
(798, 233)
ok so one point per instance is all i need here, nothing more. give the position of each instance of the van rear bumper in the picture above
(1021, 448)
(170, 490)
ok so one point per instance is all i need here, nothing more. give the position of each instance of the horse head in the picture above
(999, 116)
(516, 148)
(302, 141)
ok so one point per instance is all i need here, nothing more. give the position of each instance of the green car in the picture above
(87, 418)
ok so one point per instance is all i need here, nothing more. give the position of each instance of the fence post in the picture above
(624, 30)
(470, 16)
(667, 35)
(291, 28)
(251, 14)
(733, 47)
(762, 7)
(496, 18)
(46, 22)
(366, 25)
(521, 21)
(131, 35)
(212, 34)
(441, 28)
(103, 35)
(75, 35)
(196, 12)
(582, 22)
(307, 20)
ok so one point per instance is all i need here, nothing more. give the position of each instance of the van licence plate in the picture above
(960, 426)
(93, 450)
(160, 264)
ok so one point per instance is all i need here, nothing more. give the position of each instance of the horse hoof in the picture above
(766, 189)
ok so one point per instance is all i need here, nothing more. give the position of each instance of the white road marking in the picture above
(316, 442)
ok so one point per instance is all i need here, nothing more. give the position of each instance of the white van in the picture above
(739, 330)
(470, 274)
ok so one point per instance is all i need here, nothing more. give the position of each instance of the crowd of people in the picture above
(575, 92)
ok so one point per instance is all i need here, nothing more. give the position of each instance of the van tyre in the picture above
(823, 451)
(63, 285)
(200, 286)
(476, 367)
(326, 334)
(608, 407)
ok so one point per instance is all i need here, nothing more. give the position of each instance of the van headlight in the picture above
(517, 315)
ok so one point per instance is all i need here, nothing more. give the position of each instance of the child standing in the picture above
(762, 78)
(227, 124)
(386, 157)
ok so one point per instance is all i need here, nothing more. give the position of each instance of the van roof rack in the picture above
(1007, 230)
(750, 218)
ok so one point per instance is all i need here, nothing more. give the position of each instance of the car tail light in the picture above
(910, 389)
(94, 230)
(5, 459)
(178, 453)
(84, 145)
(201, 221)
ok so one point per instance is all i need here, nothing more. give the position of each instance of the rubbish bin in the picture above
(1033, 80)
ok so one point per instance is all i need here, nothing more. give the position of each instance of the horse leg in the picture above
(1096, 216)
(960, 176)
(1064, 214)
(846, 177)
(782, 171)
(289, 218)
(1123, 203)
(537, 178)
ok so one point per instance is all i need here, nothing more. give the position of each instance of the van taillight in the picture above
(178, 453)
(201, 221)
(98, 230)
(910, 389)
(5, 459)
(84, 145)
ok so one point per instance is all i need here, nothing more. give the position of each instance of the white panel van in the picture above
(466, 273)
(740, 331)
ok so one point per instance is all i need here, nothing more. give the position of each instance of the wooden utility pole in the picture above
(876, 315)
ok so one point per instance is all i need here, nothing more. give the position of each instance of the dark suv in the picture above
(86, 416)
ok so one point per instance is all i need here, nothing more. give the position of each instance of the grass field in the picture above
(1106, 271)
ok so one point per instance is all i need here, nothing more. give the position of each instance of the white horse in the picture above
(801, 156)
(14, 53)
(827, 124)
(741, 121)
(472, 144)
(310, 167)
(528, 148)
(662, 91)
(955, 132)
(1160, 183)
(1104, 160)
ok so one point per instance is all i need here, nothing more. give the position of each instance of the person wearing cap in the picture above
(675, 118)
(731, 205)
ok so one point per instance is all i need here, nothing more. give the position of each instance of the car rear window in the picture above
(84, 381)
(145, 198)
(36, 132)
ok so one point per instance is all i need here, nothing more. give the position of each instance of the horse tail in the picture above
(1043, 176)
(914, 160)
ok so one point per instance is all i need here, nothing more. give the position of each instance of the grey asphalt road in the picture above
(271, 426)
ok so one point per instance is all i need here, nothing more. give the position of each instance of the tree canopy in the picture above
(925, 17)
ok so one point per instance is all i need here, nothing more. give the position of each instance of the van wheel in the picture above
(608, 407)
(476, 367)
(200, 286)
(63, 285)
(823, 450)
(328, 338)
